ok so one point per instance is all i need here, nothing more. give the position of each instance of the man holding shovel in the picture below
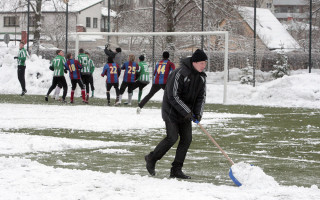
(183, 102)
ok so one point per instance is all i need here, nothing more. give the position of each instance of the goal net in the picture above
(153, 44)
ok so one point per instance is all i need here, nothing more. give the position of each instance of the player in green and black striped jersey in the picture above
(85, 71)
(57, 66)
(22, 56)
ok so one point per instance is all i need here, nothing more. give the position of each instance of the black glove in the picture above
(65, 71)
(51, 68)
(188, 116)
(192, 117)
(198, 117)
(16, 57)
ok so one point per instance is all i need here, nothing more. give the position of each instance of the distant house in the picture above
(104, 19)
(84, 15)
(286, 10)
(269, 29)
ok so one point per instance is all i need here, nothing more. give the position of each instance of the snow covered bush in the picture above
(281, 67)
(246, 76)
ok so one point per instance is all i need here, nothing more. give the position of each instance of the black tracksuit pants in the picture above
(154, 89)
(174, 130)
(124, 86)
(91, 82)
(86, 80)
(21, 76)
(56, 81)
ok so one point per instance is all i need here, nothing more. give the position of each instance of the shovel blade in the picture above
(234, 178)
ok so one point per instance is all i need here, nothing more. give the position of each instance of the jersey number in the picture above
(113, 70)
(132, 70)
(84, 61)
(72, 68)
(161, 69)
(56, 62)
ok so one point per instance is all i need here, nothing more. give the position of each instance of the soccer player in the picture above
(92, 67)
(143, 79)
(73, 66)
(112, 71)
(130, 76)
(57, 66)
(22, 56)
(162, 70)
(85, 71)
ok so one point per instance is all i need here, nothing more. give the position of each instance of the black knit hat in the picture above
(199, 55)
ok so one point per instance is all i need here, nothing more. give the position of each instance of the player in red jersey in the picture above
(73, 66)
(161, 73)
(112, 71)
(129, 78)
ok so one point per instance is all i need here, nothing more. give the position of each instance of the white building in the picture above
(286, 10)
(82, 13)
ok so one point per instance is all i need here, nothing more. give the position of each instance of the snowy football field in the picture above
(89, 152)
(96, 152)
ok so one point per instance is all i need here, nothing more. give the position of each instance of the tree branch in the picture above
(175, 17)
(161, 4)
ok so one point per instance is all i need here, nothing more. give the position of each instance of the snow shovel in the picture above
(224, 153)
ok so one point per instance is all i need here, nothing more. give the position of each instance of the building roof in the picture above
(49, 6)
(104, 12)
(269, 29)
(289, 2)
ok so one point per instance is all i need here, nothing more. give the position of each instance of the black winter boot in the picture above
(177, 173)
(150, 165)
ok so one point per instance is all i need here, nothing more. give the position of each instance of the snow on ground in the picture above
(93, 118)
(25, 179)
(21, 143)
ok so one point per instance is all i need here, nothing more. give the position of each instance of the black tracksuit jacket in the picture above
(185, 93)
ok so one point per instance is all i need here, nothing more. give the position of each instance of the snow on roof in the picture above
(104, 12)
(49, 6)
(289, 2)
(269, 29)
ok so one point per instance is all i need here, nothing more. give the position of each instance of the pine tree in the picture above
(281, 68)
(247, 77)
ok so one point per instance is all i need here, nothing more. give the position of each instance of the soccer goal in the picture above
(152, 44)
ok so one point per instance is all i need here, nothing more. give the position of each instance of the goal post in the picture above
(153, 34)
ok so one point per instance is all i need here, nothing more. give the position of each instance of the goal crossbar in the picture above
(143, 34)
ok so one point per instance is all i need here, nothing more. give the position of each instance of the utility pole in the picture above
(202, 22)
(254, 43)
(67, 7)
(28, 21)
(109, 4)
(310, 36)
(153, 37)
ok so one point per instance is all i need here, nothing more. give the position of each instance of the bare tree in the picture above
(36, 7)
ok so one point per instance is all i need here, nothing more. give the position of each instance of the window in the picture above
(11, 21)
(88, 22)
(95, 22)
(269, 5)
(283, 9)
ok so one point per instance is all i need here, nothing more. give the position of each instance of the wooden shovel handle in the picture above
(215, 143)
